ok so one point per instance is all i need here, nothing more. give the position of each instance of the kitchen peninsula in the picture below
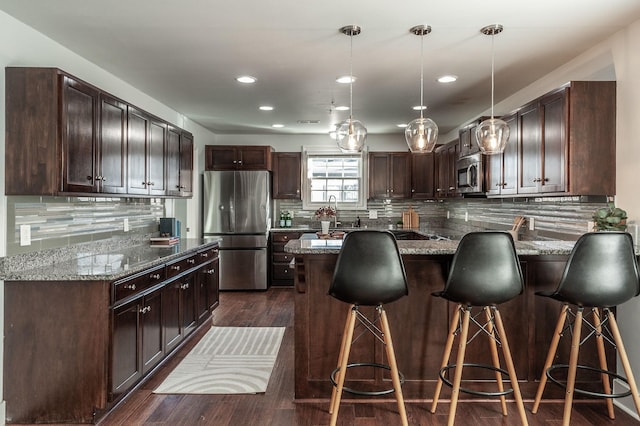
(419, 321)
(82, 332)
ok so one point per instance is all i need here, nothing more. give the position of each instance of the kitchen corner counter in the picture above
(431, 247)
(107, 265)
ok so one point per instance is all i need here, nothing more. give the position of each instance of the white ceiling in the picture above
(187, 53)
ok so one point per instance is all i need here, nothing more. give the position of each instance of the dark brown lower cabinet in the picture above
(73, 349)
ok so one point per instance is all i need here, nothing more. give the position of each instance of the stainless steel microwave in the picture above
(470, 174)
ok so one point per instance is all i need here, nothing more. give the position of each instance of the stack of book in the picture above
(164, 241)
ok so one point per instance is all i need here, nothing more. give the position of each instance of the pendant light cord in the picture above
(351, 79)
(421, 74)
(492, 72)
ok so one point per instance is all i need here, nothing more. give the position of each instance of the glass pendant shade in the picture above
(421, 135)
(492, 136)
(351, 136)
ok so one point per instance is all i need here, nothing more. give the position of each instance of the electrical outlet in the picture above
(532, 224)
(466, 216)
(25, 235)
(125, 225)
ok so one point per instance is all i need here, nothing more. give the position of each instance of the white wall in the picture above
(23, 46)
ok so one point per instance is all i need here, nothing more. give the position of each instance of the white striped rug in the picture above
(228, 360)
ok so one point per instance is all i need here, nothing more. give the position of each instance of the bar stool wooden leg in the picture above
(510, 367)
(573, 367)
(343, 366)
(447, 353)
(602, 357)
(553, 348)
(457, 379)
(625, 361)
(495, 357)
(391, 357)
(340, 355)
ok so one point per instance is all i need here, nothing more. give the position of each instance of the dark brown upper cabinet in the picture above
(237, 157)
(287, 175)
(179, 162)
(67, 137)
(423, 176)
(389, 175)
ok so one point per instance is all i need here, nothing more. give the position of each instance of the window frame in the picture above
(307, 204)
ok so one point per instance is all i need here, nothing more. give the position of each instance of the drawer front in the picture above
(127, 288)
(179, 266)
(207, 255)
(282, 272)
(282, 257)
(284, 237)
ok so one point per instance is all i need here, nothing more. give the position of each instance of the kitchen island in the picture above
(419, 322)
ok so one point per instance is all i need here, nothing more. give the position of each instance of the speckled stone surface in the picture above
(430, 247)
(105, 264)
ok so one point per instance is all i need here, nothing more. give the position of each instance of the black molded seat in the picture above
(369, 272)
(485, 272)
(601, 273)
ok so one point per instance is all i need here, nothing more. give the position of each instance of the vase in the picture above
(325, 226)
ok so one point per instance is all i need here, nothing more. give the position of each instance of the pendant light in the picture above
(492, 135)
(351, 134)
(422, 133)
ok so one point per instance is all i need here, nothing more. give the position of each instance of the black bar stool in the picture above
(601, 273)
(484, 273)
(369, 272)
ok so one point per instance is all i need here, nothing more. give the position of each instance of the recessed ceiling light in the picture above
(342, 108)
(419, 107)
(247, 79)
(277, 125)
(346, 79)
(402, 125)
(447, 79)
(266, 108)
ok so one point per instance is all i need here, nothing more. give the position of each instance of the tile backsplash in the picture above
(564, 218)
(57, 222)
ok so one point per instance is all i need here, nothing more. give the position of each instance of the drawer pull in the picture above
(205, 255)
(145, 309)
(130, 286)
(175, 267)
(210, 271)
(184, 286)
(191, 261)
(154, 276)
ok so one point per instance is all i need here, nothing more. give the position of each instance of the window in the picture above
(340, 175)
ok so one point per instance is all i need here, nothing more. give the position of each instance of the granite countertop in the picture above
(109, 265)
(430, 247)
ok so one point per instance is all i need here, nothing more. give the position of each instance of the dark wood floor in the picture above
(276, 406)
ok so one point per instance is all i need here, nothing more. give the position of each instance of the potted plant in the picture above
(610, 218)
(324, 214)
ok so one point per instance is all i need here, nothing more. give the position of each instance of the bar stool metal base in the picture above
(586, 392)
(361, 392)
(449, 383)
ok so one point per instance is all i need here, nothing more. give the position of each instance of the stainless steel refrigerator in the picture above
(237, 210)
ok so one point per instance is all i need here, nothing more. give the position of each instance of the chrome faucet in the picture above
(335, 208)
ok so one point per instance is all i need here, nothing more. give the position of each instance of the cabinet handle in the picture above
(150, 183)
(154, 276)
(130, 286)
(191, 261)
(285, 238)
(451, 188)
(145, 309)
(537, 180)
(89, 177)
(205, 255)
(175, 267)
(184, 286)
(210, 271)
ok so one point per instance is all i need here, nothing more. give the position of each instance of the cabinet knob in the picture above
(175, 267)
(89, 177)
(210, 271)
(205, 255)
(154, 276)
(130, 286)
(184, 286)
(191, 261)
(150, 183)
(145, 309)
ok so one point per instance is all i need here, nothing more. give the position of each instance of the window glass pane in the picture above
(334, 175)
